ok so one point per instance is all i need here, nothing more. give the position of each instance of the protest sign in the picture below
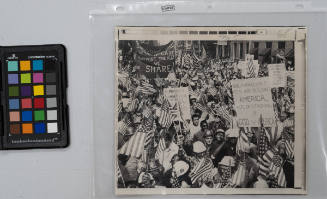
(277, 75)
(252, 98)
(179, 101)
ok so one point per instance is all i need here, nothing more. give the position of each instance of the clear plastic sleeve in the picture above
(104, 23)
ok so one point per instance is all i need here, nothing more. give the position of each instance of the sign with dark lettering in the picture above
(156, 65)
(253, 98)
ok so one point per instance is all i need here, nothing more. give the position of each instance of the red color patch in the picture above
(26, 103)
(38, 102)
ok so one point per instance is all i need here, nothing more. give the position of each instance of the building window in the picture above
(281, 45)
(241, 51)
(268, 44)
(256, 44)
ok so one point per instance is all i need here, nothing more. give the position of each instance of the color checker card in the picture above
(33, 102)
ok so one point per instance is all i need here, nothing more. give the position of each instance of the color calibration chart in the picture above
(32, 97)
(33, 104)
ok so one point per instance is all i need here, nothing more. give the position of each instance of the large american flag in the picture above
(201, 170)
(135, 145)
(166, 117)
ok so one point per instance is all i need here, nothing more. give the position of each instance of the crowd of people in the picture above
(157, 148)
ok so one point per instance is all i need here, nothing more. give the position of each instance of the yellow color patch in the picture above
(38, 90)
(25, 65)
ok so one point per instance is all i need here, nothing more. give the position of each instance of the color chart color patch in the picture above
(34, 85)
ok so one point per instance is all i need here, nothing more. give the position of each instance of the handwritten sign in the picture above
(179, 101)
(277, 75)
(253, 98)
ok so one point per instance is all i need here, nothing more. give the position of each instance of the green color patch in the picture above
(13, 91)
(25, 78)
(38, 115)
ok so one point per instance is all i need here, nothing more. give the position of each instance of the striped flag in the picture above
(289, 146)
(165, 118)
(223, 112)
(146, 89)
(273, 133)
(124, 124)
(161, 147)
(263, 143)
(200, 107)
(135, 145)
(277, 172)
(150, 134)
(212, 91)
(119, 107)
(265, 162)
(239, 175)
(243, 143)
(146, 111)
(251, 69)
(201, 170)
(187, 60)
(132, 105)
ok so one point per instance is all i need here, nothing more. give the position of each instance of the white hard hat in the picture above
(181, 168)
(227, 161)
(198, 147)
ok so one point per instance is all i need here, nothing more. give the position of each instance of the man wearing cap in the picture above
(219, 149)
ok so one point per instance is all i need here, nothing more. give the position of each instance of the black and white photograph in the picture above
(209, 108)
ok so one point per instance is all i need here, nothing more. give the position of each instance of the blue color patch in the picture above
(39, 128)
(12, 65)
(13, 103)
(37, 64)
(26, 116)
(12, 78)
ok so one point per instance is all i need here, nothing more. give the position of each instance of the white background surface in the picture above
(52, 173)
(68, 173)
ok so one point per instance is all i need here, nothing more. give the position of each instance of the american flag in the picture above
(147, 111)
(239, 175)
(273, 133)
(146, 89)
(200, 107)
(251, 69)
(165, 118)
(132, 104)
(276, 171)
(201, 170)
(187, 60)
(135, 145)
(124, 124)
(265, 162)
(212, 91)
(289, 146)
(196, 93)
(223, 112)
(263, 143)
(119, 107)
(243, 142)
(161, 147)
(151, 128)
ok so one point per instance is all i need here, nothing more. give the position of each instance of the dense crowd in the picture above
(159, 149)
